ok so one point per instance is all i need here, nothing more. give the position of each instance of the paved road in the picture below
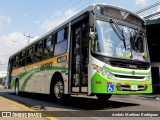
(78, 107)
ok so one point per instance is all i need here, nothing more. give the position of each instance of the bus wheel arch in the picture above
(57, 86)
(103, 97)
(17, 92)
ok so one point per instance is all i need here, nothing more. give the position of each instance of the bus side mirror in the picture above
(93, 35)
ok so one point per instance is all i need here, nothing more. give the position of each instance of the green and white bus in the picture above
(102, 50)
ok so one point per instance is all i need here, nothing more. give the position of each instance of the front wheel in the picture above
(104, 97)
(58, 89)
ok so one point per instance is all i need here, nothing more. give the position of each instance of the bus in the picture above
(100, 51)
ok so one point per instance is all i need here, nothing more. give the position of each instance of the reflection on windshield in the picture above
(118, 31)
(108, 42)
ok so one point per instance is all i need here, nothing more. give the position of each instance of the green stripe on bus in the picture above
(125, 71)
(36, 70)
(25, 82)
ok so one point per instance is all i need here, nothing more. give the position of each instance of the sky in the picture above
(36, 17)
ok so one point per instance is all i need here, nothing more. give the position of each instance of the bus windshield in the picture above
(126, 44)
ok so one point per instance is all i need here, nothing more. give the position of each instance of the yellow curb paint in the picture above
(27, 108)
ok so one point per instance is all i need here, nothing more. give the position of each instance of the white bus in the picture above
(102, 50)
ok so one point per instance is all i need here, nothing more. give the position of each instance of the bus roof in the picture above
(89, 8)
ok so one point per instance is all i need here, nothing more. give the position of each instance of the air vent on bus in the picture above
(129, 65)
(131, 77)
(128, 88)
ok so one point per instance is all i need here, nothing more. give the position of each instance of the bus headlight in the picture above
(110, 75)
(99, 70)
(103, 71)
(148, 77)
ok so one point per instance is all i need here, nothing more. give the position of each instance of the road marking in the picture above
(27, 108)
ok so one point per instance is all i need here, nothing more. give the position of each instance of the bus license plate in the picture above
(134, 87)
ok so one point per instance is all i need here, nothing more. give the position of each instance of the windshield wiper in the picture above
(134, 39)
(118, 31)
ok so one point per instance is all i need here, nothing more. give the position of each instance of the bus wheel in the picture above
(103, 97)
(58, 89)
(17, 92)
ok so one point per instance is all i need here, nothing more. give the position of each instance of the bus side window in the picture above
(48, 47)
(39, 51)
(16, 62)
(29, 56)
(61, 42)
(11, 65)
(22, 59)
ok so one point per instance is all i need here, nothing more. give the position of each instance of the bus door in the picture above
(79, 58)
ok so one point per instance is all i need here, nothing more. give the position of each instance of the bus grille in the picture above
(130, 77)
(128, 88)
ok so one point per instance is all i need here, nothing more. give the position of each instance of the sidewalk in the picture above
(8, 107)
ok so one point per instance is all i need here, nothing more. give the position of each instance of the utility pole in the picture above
(28, 36)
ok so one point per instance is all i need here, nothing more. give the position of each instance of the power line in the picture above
(59, 20)
(91, 1)
(148, 7)
(152, 15)
(61, 8)
(143, 4)
(28, 36)
(77, 3)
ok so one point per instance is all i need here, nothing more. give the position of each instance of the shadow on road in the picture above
(76, 103)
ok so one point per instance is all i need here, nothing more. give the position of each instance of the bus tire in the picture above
(17, 92)
(57, 89)
(103, 97)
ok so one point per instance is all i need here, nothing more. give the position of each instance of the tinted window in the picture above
(61, 43)
(48, 47)
(16, 62)
(39, 51)
(62, 34)
(29, 58)
(48, 41)
(60, 48)
(30, 52)
(22, 59)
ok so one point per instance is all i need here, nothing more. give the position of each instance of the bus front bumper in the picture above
(106, 86)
